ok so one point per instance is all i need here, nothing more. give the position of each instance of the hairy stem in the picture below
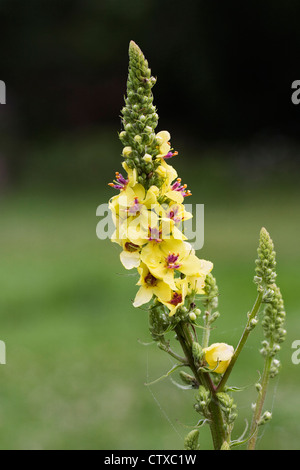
(260, 403)
(216, 418)
(206, 331)
(242, 341)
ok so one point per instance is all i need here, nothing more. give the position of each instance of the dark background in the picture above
(224, 69)
(76, 368)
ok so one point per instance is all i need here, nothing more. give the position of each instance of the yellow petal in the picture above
(164, 148)
(129, 259)
(218, 356)
(163, 136)
(143, 296)
(175, 196)
(162, 291)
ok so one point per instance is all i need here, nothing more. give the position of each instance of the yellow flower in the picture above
(126, 151)
(197, 283)
(131, 173)
(170, 256)
(172, 216)
(150, 286)
(122, 183)
(177, 297)
(161, 171)
(218, 356)
(163, 138)
(132, 199)
(130, 255)
(169, 174)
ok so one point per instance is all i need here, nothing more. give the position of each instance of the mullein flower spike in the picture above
(149, 209)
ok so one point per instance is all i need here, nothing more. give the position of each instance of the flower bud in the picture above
(161, 171)
(126, 151)
(191, 440)
(187, 378)
(197, 352)
(138, 139)
(218, 356)
(147, 158)
(267, 416)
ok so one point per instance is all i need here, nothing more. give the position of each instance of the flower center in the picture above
(135, 208)
(176, 299)
(131, 247)
(173, 214)
(172, 261)
(150, 280)
(155, 234)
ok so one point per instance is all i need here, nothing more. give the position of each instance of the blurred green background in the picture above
(76, 369)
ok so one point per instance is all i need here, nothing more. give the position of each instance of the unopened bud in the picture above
(192, 316)
(197, 352)
(147, 158)
(191, 440)
(126, 151)
(267, 416)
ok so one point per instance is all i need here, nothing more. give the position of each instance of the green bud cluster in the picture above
(197, 352)
(188, 379)
(191, 440)
(274, 312)
(265, 418)
(203, 399)
(273, 327)
(140, 119)
(228, 407)
(210, 302)
(266, 261)
(159, 321)
(211, 290)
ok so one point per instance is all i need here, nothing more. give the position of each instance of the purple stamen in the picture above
(181, 188)
(172, 261)
(135, 208)
(155, 234)
(173, 214)
(176, 299)
(120, 182)
(170, 154)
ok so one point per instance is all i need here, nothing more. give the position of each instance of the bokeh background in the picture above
(76, 369)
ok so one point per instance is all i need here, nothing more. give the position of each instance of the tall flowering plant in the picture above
(149, 214)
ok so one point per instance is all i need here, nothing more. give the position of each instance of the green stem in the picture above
(216, 418)
(206, 331)
(260, 403)
(242, 341)
(165, 347)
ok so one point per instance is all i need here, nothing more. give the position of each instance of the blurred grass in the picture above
(75, 370)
